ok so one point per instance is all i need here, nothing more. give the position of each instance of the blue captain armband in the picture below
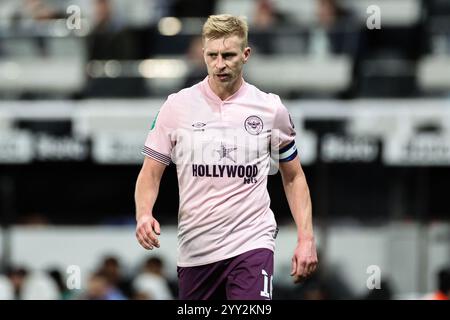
(287, 153)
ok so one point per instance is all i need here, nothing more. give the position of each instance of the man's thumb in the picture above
(294, 266)
(156, 227)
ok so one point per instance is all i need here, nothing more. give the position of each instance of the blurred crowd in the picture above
(111, 281)
(335, 30)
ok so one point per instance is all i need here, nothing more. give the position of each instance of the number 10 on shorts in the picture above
(267, 292)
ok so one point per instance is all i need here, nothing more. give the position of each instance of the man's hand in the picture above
(147, 232)
(304, 261)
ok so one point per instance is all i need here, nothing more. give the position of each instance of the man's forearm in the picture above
(145, 195)
(298, 196)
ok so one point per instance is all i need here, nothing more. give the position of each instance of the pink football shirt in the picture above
(223, 152)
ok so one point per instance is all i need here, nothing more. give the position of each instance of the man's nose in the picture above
(220, 62)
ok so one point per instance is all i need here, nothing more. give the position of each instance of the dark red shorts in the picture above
(247, 276)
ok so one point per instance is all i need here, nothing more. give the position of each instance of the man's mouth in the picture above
(222, 76)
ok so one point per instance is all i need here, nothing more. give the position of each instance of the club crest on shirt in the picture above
(253, 125)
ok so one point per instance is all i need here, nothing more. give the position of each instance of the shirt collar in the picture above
(211, 94)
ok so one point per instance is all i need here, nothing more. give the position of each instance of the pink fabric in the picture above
(222, 151)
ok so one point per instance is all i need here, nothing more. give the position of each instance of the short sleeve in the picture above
(159, 143)
(283, 134)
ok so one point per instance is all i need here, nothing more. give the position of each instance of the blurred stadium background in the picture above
(371, 109)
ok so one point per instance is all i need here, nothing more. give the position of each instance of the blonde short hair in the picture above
(225, 25)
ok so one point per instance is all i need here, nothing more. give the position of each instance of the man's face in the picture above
(224, 58)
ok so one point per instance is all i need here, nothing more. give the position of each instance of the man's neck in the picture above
(225, 91)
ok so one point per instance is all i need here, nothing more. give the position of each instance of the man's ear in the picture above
(203, 54)
(247, 52)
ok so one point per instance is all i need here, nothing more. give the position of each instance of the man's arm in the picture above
(146, 192)
(304, 261)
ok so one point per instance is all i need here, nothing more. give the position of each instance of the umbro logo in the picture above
(199, 125)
